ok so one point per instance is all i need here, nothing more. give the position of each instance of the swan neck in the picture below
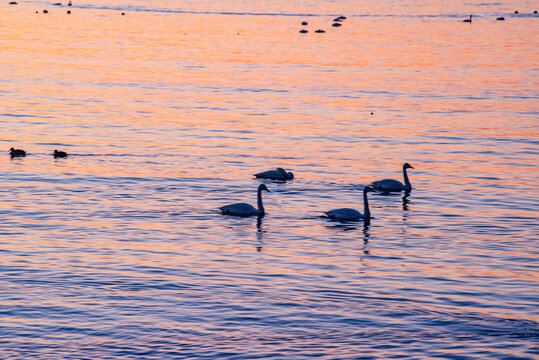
(366, 210)
(407, 184)
(260, 205)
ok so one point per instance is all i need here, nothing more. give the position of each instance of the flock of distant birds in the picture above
(384, 186)
(501, 18)
(337, 22)
(55, 4)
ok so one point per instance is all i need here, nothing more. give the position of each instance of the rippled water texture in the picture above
(119, 250)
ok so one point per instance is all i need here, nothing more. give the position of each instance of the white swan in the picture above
(347, 214)
(390, 185)
(243, 209)
(277, 174)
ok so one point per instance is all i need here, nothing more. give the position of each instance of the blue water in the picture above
(119, 251)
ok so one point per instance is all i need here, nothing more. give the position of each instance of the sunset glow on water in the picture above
(120, 251)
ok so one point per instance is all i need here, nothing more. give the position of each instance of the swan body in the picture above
(347, 214)
(16, 152)
(243, 209)
(59, 154)
(277, 174)
(390, 185)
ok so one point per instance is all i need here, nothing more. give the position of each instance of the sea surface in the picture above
(119, 251)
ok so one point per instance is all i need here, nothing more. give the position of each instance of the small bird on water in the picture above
(59, 154)
(468, 20)
(16, 152)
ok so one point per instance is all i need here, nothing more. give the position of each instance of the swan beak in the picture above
(411, 167)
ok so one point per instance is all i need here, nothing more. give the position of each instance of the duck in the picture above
(347, 214)
(390, 185)
(245, 210)
(304, 23)
(303, 31)
(59, 154)
(336, 24)
(319, 31)
(468, 20)
(277, 174)
(16, 152)
(501, 18)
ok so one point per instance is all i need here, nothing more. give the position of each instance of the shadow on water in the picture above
(405, 201)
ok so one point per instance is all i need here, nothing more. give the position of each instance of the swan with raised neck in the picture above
(244, 209)
(391, 185)
(348, 214)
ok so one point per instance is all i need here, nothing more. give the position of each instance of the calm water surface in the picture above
(119, 251)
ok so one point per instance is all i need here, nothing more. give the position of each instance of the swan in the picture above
(468, 20)
(59, 154)
(243, 209)
(277, 174)
(389, 185)
(16, 152)
(347, 214)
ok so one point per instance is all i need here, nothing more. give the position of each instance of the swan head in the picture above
(367, 189)
(12, 149)
(407, 166)
(263, 187)
(289, 175)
